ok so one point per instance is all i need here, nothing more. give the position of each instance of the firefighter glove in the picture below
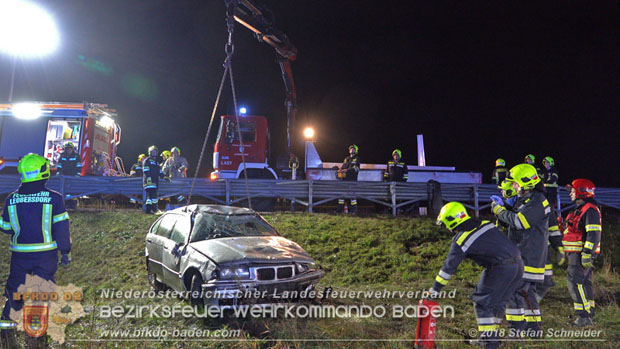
(497, 200)
(561, 256)
(65, 259)
(586, 260)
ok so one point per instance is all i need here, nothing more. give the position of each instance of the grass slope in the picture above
(359, 254)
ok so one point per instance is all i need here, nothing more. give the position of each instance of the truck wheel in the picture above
(195, 296)
(155, 285)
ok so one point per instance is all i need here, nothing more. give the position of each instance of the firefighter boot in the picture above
(583, 321)
(340, 208)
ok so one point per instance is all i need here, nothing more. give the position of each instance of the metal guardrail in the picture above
(309, 193)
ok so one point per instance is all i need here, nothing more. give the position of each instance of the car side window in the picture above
(166, 224)
(154, 228)
(181, 230)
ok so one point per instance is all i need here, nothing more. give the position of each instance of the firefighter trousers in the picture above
(542, 289)
(352, 206)
(579, 280)
(496, 286)
(42, 264)
(523, 312)
(149, 200)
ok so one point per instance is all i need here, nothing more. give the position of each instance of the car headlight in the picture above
(234, 273)
(304, 267)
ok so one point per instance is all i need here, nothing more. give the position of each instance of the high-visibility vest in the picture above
(573, 237)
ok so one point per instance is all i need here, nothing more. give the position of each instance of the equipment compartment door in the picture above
(59, 133)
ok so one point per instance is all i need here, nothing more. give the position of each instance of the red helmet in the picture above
(584, 188)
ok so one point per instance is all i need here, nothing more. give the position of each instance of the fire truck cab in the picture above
(45, 128)
(227, 154)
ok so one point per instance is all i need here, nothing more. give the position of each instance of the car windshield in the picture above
(213, 226)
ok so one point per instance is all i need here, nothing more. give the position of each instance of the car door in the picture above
(156, 242)
(174, 251)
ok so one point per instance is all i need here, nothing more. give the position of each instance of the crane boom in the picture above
(251, 15)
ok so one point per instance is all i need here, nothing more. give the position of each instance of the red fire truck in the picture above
(45, 128)
(227, 159)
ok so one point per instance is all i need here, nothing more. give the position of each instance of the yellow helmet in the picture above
(354, 147)
(506, 186)
(397, 151)
(500, 162)
(525, 175)
(141, 157)
(33, 167)
(452, 214)
(166, 154)
(177, 149)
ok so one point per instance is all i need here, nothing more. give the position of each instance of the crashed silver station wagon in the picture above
(225, 256)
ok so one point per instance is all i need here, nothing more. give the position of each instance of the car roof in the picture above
(214, 209)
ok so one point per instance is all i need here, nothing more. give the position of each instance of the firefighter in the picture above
(151, 172)
(528, 227)
(348, 171)
(553, 244)
(396, 170)
(176, 167)
(582, 237)
(165, 155)
(293, 165)
(39, 224)
(550, 180)
(499, 172)
(531, 160)
(70, 163)
(483, 243)
(136, 169)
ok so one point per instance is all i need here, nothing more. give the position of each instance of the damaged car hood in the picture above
(255, 248)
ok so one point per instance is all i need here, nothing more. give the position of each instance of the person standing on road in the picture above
(396, 170)
(151, 172)
(349, 171)
(39, 224)
(499, 172)
(488, 247)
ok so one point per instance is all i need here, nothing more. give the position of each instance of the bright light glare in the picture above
(309, 133)
(27, 111)
(26, 29)
(106, 121)
(243, 110)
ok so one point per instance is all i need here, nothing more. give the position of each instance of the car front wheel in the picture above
(195, 296)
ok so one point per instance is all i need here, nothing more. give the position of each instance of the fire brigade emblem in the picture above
(35, 320)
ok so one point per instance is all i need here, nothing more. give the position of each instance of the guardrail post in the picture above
(310, 189)
(476, 205)
(227, 181)
(62, 186)
(393, 193)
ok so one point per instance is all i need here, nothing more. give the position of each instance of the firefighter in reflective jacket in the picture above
(582, 237)
(550, 180)
(482, 242)
(70, 163)
(348, 171)
(151, 172)
(136, 169)
(396, 170)
(39, 224)
(528, 227)
(499, 172)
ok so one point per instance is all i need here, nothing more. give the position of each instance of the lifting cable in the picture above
(229, 49)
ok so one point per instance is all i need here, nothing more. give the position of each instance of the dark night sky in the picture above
(478, 79)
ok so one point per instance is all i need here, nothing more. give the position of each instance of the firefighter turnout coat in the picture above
(528, 227)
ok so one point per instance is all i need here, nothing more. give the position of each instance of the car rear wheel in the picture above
(195, 296)
(155, 285)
